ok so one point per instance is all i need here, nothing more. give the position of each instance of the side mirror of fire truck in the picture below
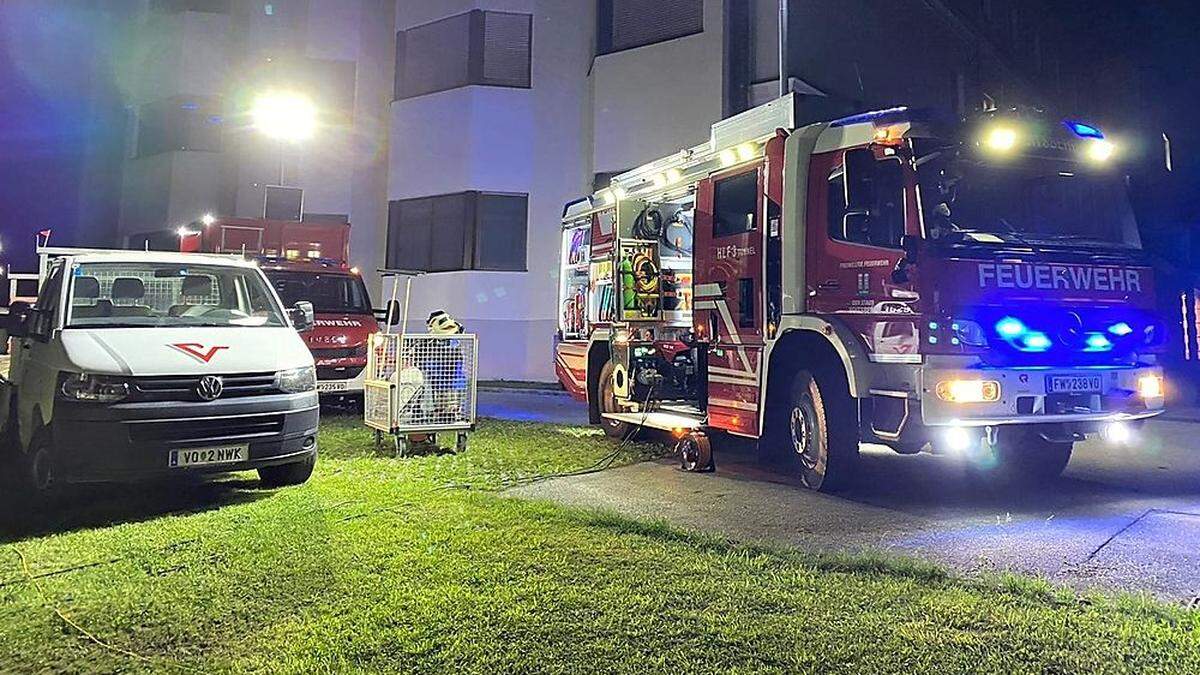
(912, 247)
(393, 313)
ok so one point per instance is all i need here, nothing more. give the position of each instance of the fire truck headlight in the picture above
(296, 380)
(968, 391)
(1150, 387)
(1001, 139)
(1117, 433)
(958, 439)
(1100, 150)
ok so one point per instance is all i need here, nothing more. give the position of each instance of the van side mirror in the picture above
(16, 322)
(390, 314)
(303, 317)
(859, 175)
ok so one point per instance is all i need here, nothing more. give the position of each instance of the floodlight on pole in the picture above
(285, 116)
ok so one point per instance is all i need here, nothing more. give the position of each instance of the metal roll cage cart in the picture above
(418, 385)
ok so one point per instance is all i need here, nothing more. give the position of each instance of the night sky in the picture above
(61, 125)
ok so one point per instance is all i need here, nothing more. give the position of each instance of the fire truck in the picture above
(973, 286)
(306, 262)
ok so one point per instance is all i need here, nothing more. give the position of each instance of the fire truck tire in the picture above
(1023, 457)
(608, 403)
(821, 435)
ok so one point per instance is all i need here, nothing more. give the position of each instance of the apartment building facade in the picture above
(455, 130)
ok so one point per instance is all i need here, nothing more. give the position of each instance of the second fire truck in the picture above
(975, 287)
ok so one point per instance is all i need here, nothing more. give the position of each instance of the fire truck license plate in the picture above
(1073, 384)
(225, 454)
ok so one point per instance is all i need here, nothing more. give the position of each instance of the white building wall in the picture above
(652, 101)
(495, 139)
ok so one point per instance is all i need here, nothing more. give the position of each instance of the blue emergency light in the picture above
(1084, 130)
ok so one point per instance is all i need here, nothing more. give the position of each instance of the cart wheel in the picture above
(460, 444)
(695, 452)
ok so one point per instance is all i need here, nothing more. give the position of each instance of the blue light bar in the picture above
(1096, 342)
(1084, 130)
(888, 116)
(1036, 342)
(1009, 327)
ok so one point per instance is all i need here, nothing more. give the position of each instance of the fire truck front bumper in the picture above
(977, 397)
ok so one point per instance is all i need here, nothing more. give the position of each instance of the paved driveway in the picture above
(1121, 518)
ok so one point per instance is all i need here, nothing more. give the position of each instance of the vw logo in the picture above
(209, 388)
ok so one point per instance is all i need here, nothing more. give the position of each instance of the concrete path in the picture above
(1121, 518)
(530, 405)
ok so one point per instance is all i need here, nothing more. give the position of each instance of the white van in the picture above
(136, 364)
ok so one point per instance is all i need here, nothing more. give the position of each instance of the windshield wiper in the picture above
(1077, 238)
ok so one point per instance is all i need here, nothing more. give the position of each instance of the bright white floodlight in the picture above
(285, 116)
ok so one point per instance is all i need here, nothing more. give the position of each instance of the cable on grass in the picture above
(73, 624)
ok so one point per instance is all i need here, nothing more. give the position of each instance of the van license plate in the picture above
(332, 386)
(1073, 384)
(225, 454)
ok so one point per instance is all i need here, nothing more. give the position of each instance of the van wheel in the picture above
(282, 475)
(1024, 458)
(821, 434)
(37, 467)
(608, 403)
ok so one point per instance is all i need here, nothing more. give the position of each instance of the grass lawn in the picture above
(420, 565)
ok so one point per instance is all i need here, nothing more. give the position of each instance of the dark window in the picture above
(500, 232)
(746, 303)
(884, 225)
(625, 24)
(179, 123)
(283, 203)
(735, 204)
(479, 47)
(462, 231)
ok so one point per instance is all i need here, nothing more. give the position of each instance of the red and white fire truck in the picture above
(310, 262)
(974, 287)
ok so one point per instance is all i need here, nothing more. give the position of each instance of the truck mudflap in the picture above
(1039, 395)
(143, 440)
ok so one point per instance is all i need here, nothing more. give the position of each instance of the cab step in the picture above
(665, 421)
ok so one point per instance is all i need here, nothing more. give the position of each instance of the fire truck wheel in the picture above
(608, 403)
(824, 448)
(1023, 457)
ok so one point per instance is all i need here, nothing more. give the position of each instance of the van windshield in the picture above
(329, 293)
(151, 295)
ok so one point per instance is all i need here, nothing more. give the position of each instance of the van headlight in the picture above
(296, 380)
(93, 388)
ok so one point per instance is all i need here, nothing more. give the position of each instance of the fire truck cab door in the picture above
(851, 254)
(728, 292)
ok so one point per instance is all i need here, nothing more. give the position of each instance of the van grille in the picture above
(211, 429)
(183, 388)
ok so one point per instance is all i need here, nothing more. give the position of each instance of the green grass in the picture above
(420, 565)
